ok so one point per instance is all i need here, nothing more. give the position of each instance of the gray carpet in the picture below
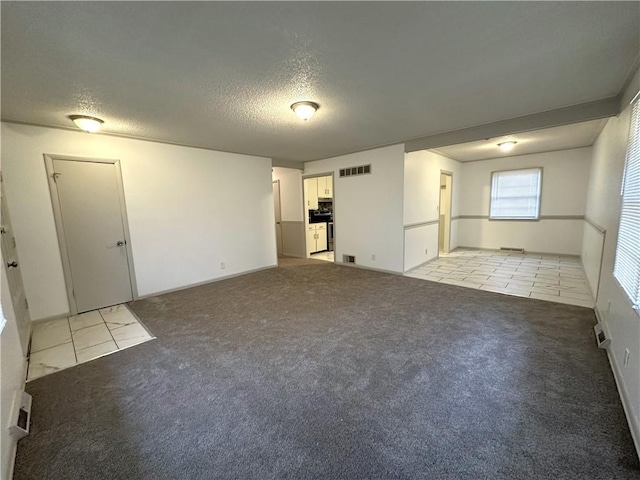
(315, 371)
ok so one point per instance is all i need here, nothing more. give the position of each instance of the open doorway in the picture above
(318, 209)
(278, 215)
(444, 224)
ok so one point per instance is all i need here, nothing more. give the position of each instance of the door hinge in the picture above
(13, 240)
(73, 292)
(55, 176)
(26, 304)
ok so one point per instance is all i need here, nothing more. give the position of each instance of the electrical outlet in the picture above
(627, 355)
(222, 266)
(373, 257)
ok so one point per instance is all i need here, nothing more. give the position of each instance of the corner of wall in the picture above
(625, 398)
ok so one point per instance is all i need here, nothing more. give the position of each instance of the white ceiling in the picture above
(576, 135)
(222, 75)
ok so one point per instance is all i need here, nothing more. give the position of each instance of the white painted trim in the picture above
(57, 214)
(206, 282)
(52, 317)
(14, 447)
(634, 426)
(363, 267)
(462, 247)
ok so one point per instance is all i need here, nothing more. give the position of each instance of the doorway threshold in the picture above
(60, 344)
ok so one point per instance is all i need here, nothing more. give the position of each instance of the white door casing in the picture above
(278, 215)
(14, 275)
(444, 224)
(88, 201)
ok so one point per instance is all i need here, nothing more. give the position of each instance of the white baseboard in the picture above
(206, 282)
(634, 427)
(363, 267)
(14, 442)
(52, 317)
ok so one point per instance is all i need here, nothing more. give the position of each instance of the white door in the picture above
(14, 275)
(94, 233)
(278, 214)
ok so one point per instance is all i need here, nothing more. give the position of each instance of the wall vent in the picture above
(601, 337)
(348, 259)
(20, 415)
(353, 171)
(512, 249)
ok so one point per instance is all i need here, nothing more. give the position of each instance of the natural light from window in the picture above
(627, 266)
(515, 194)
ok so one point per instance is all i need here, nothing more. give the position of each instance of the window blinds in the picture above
(515, 194)
(627, 264)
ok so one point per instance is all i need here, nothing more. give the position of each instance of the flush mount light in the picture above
(88, 124)
(507, 146)
(305, 110)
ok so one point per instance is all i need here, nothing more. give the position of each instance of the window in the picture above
(627, 265)
(515, 194)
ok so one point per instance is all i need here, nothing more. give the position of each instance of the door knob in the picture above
(13, 264)
(119, 243)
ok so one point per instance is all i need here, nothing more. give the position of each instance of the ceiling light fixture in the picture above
(507, 146)
(86, 123)
(305, 110)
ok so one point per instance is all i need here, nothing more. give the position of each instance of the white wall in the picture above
(189, 209)
(603, 208)
(565, 180)
(290, 193)
(421, 198)
(368, 208)
(12, 374)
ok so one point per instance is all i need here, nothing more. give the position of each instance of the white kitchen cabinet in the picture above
(311, 193)
(325, 187)
(316, 237)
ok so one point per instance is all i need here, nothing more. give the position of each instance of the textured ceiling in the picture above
(576, 135)
(222, 75)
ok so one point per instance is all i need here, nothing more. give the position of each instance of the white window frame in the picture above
(491, 195)
(626, 268)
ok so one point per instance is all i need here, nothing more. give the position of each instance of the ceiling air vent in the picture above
(352, 171)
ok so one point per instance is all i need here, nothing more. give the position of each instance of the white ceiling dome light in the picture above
(305, 110)
(86, 123)
(507, 146)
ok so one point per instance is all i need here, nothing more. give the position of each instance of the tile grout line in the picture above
(109, 330)
(75, 353)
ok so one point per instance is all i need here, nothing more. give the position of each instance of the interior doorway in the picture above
(319, 208)
(277, 208)
(89, 209)
(444, 221)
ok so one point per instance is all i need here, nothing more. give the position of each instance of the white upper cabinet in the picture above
(311, 193)
(325, 187)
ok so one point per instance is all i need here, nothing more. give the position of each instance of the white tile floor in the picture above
(63, 343)
(556, 278)
(326, 256)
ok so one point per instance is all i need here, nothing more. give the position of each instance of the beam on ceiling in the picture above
(277, 162)
(607, 107)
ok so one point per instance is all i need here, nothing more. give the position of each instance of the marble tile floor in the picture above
(326, 256)
(555, 278)
(63, 343)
